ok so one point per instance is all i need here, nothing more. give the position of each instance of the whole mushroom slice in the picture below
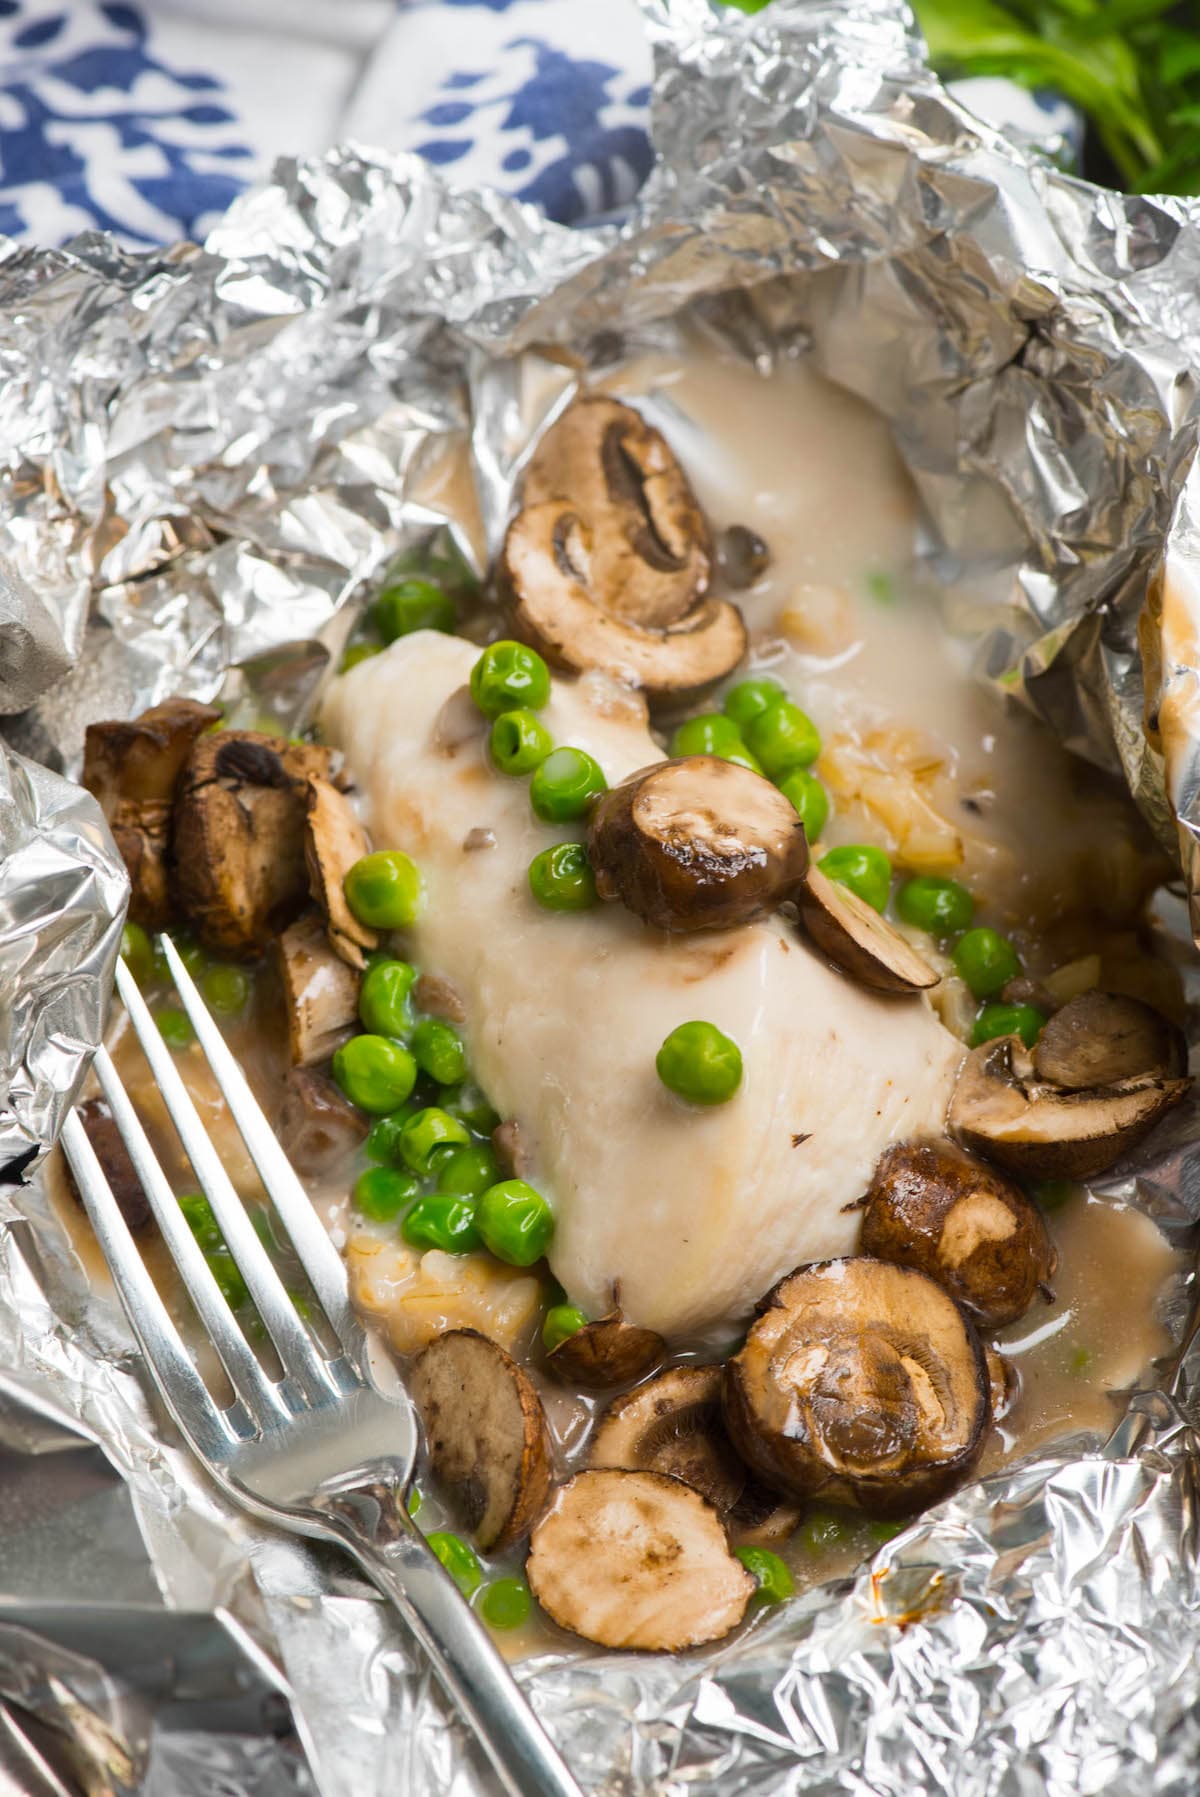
(857, 939)
(673, 1424)
(132, 769)
(605, 1353)
(930, 1207)
(696, 844)
(334, 839)
(863, 1383)
(320, 992)
(239, 837)
(549, 571)
(650, 540)
(1042, 1131)
(636, 1560)
(1100, 1038)
(489, 1448)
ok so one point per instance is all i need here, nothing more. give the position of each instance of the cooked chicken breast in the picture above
(682, 1217)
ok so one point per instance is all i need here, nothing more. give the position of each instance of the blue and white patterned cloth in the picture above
(147, 117)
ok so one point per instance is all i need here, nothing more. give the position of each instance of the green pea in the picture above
(821, 1532)
(1080, 1361)
(783, 737)
(137, 952)
(561, 878)
(415, 1501)
(439, 1051)
(383, 1140)
(700, 1064)
(942, 907)
(986, 961)
(1052, 1194)
(375, 1073)
(562, 1322)
(743, 758)
(442, 1220)
(467, 1172)
(566, 786)
(226, 989)
(515, 1222)
(750, 698)
(191, 954)
(509, 677)
(519, 742)
(460, 1561)
(810, 799)
(505, 1603)
(471, 1107)
(775, 1582)
(198, 1215)
(426, 1132)
(861, 868)
(175, 1027)
(710, 734)
(410, 605)
(384, 890)
(1025, 1021)
(383, 998)
(359, 652)
(224, 1270)
(381, 1193)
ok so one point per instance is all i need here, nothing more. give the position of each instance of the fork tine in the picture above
(321, 1261)
(184, 1392)
(296, 1348)
(249, 1380)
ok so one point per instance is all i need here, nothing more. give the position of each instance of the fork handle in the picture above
(465, 1659)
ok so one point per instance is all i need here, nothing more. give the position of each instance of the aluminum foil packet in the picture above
(209, 456)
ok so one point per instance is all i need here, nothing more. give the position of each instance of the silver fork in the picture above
(320, 1451)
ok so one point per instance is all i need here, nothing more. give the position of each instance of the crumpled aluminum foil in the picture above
(211, 454)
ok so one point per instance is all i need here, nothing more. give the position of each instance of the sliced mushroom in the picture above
(860, 941)
(514, 1157)
(488, 1444)
(636, 1560)
(861, 1382)
(605, 1353)
(673, 1424)
(961, 1222)
(320, 992)
(132, 768)
(548, 571)
(1100, 1038)
(1004, 1383)
(650, 544)
(438, 998)
(316, 1124)
(115, 1164)
(1040, 1131)
(334, 840)
(239, 837)
(696, 844)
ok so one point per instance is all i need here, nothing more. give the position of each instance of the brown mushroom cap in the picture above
(961, 1222)
(548, 570)
(696, 844)
(673, 1424)
(488, 1444)
(650, 542)
(861, 1382)
(1040, 1131)
(606, 1353)
(132, 769)
(1100, 1038)
(239, 837)
(860, 941)
(636, 1560)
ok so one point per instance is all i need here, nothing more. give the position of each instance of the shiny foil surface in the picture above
(210, 455)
